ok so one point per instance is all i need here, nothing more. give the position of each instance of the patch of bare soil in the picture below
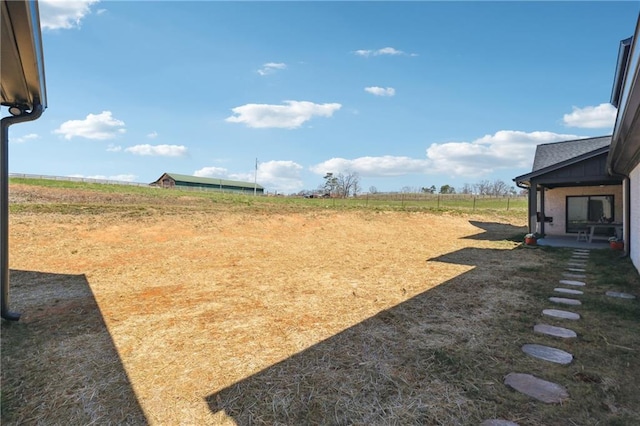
(216, 317)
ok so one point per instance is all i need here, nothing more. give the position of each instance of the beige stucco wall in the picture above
(634, 222)
(556, 204)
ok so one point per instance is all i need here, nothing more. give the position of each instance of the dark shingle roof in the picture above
(548, 154)
(211, 181)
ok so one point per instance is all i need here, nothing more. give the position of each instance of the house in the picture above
(577, 183)
(23, 91)
(570, 188)
(624, 154)
(174, 180)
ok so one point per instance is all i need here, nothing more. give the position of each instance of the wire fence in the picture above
(396, 200)
(76, 179)
(469, 202)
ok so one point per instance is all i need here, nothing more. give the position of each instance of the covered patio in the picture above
(570, 191)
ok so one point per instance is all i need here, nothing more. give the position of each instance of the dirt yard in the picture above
(163, 315)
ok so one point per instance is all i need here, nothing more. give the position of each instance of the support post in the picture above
(533, 207)
(4, 206)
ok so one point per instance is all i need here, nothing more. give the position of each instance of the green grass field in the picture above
(513, 206)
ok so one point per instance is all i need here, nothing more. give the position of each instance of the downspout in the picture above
(35, 113)
(626, 214)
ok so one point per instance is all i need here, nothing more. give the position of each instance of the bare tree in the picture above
(498, 188)
(483, 187)
(373, 190)
(466, 189)
(347, 184)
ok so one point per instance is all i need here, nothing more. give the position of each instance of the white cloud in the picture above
(152, 135)
(389, 51)
(591, 117)
(387, 165)
(158, 150)
(220, 172)
(63, 14)
(96, 126)
(291, 115)
(380, 91)
(503, 150)
(271, 67)
(280, 176)
(25, 138)
(114, 148)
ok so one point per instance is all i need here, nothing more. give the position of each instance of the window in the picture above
(585, 210)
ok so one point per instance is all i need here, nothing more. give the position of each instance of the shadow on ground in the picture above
(494, 231)
(399, 366)
(59, 363)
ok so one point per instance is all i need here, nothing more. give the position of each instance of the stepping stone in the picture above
(572, 282)
(551, 330)
(565, 301)
(620, 295)
(576, 269)
(498, 422)
(568, 275)
(583, 251)
(544, 391)
(567, 290)
(548, 353)
(556, 313)
(575, 265)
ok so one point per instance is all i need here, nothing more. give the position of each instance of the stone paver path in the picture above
(565, 301)
(552, 330)
(567, 290)
(573, 282)
(556, 313)
(542, 390)
(570, 275)
(620, 295)
(548, 353)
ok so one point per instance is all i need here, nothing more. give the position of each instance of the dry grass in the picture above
(139, 313)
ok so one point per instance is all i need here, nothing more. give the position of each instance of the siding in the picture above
(556, 204)
(634, 225)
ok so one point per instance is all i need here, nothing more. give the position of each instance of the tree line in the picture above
(343, 185)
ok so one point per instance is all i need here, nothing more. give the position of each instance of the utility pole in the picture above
(255, 179)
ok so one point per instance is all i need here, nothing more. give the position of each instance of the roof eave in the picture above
(526, 178)
(625, 143)
(23, 77)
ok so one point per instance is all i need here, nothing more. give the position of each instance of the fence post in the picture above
(508, 198)
(438, 201)
(474, 204)
(402, 200)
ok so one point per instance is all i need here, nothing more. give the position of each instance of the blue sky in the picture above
(406, 94)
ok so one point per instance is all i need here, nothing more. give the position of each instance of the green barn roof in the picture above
(210, 181)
